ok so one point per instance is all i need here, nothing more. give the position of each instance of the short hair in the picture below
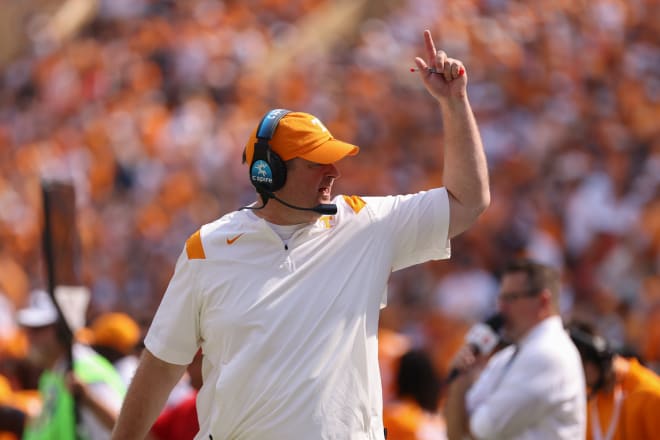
(418, 379)
(595, 349)
(592, 346)
(539, 277)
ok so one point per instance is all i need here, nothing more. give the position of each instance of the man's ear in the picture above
(547, 300)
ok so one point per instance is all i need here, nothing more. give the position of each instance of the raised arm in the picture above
(465, 171)
(149, 389)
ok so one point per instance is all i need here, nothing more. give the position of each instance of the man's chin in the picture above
(35, 357)
(506, 336)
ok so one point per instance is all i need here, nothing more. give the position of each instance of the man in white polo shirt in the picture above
(283, 297)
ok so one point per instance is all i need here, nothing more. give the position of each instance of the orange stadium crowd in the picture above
(147, 108)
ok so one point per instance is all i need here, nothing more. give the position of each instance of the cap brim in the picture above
(330, 152)
(35, 318)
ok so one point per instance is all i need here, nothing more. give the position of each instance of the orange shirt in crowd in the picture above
(27, 401)
(405, 420)
(5, 399)
(638, 393)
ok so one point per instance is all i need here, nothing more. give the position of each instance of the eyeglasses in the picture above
(509, 297)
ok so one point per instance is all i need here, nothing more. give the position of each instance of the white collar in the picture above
(551, 322)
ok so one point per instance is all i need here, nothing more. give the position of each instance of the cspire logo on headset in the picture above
(276, 113)
(261, 173)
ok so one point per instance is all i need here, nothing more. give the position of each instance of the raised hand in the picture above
(443, 77)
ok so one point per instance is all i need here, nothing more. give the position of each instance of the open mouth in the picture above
(324, 192)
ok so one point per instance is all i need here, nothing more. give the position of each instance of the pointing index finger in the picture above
(430, 49)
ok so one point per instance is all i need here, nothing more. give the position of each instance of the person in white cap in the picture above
(284, 296)
(94, 382)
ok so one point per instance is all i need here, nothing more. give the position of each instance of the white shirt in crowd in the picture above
(534, 391)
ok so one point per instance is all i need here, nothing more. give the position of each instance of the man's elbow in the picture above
(479, 201)
(463, 216)
(482, 203)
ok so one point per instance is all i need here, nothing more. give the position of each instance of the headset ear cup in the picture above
(260, 169)
(278, 169)
(267, 170)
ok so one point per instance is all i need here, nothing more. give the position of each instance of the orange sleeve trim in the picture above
(194, 247)
(355, 202)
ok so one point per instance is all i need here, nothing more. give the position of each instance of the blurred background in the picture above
(145, 105)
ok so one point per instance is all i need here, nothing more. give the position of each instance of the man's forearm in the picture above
(105, 415)
(150, 387)
(455, 412)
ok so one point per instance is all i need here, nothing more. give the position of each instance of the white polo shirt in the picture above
(289, 333)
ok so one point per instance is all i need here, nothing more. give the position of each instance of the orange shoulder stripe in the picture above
(355, 202)
(194, 247)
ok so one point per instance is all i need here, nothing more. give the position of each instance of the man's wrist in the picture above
(460, 385)
(453, 102)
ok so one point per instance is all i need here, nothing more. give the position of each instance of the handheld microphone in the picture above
(321, 208)
(482, 339)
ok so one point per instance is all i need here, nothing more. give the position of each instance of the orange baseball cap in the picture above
(303, 135)
(115, 330)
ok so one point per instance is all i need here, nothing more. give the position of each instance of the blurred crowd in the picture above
(147, 110)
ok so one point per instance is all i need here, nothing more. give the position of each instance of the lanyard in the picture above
(614, 421)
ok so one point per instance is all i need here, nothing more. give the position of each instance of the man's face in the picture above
(518, 306)
(591, 373)
(43, 344)
(308, 183)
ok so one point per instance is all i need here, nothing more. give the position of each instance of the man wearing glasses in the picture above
(532, 389)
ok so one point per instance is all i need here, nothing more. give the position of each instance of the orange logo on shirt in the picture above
(326, 221)
(232, 240)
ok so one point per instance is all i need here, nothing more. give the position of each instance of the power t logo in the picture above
(319, 124)
(261, 173)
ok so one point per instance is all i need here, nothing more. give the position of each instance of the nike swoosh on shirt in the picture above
(233, 239)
